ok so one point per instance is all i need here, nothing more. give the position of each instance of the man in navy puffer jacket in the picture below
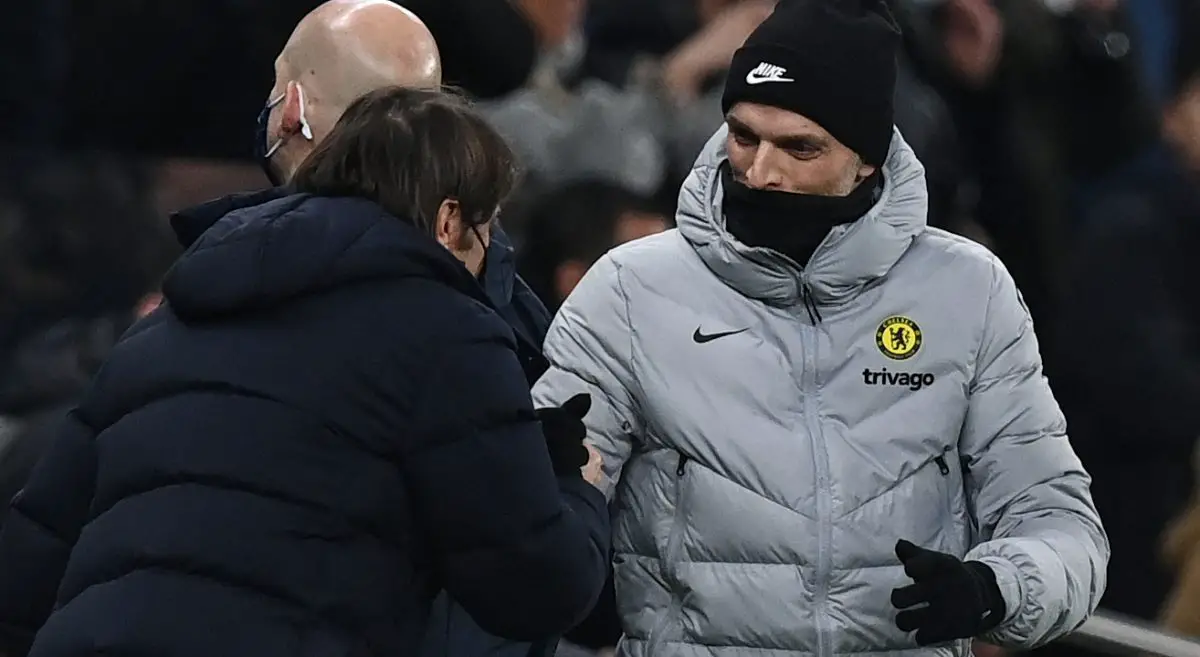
(323, 425)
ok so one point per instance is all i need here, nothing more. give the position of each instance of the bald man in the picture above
(338, 52)
(342, 49)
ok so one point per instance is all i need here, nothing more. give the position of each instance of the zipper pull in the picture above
(810, 304)
(681, 468)
(941, 464)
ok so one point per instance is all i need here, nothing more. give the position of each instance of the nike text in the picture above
(765, 72)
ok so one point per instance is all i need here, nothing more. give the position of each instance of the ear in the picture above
(292, 119)
(864, 171)
(448, 223)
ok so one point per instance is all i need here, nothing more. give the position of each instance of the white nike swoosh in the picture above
(751, 78)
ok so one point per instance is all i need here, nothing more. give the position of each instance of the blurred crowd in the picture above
(1063, 134)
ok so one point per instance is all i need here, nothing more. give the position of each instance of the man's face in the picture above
(472, 247)
(776, 150)
(1181, 125)
(467, 243)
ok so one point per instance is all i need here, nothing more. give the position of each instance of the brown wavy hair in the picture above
(410, 149)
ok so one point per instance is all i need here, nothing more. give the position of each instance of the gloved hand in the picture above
(963, 600)
(564, 431)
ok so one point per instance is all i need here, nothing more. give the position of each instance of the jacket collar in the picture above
(189, 224)
(506, 291)
(848, 259)
(301, 245)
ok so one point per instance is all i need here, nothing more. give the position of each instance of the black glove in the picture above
(564, 431)
(963, 600)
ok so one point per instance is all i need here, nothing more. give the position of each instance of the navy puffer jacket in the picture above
(324, 425)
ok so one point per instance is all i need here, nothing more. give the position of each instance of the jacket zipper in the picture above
(810, 385)
(670, 559)
(810, 304)
(968, 501)
(965, 464)
(943, 468)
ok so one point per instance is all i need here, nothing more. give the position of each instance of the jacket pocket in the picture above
(671, 555)
(943, 462)
(672, 558)
(974, 537)
(945, 490)
(956, 505)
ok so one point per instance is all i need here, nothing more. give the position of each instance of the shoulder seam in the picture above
(617, 272)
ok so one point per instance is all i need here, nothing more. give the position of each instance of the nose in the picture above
(764, 172)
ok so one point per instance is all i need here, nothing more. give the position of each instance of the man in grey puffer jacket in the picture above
(825, 424)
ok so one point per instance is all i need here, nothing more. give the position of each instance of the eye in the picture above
(804, 151)
(743, 139)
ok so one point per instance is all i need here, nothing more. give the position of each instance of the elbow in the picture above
(550, 617)
(1099, 571)
(1052, 581)
(538, 588)
(576, 602)
(1089, 574)
(542, 606)
(562, 598)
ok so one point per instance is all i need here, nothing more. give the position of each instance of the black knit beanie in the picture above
(832, 61)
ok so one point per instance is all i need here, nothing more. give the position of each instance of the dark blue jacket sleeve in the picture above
(523, 552)
(42, 526)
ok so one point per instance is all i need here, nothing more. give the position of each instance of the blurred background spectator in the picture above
(82, 249)
(572, 226)
(1064, 134)
(1181, 550)
(1133, 410)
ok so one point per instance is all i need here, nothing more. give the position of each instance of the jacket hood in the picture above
(297, 245)
(849, 258)
(189, 224)
(500, 277)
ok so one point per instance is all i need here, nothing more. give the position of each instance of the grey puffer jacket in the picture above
(772, 432)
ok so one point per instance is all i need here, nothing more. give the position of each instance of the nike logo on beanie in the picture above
(765, 72)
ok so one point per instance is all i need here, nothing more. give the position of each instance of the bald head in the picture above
(345, 48)
(338, 52)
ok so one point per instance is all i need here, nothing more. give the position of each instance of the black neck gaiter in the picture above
(792, 224)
